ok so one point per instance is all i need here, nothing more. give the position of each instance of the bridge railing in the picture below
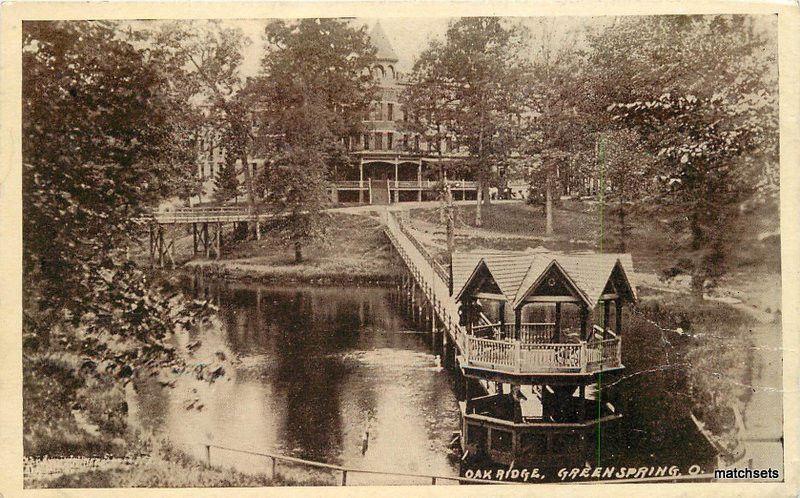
(204, 214)
(439, 268)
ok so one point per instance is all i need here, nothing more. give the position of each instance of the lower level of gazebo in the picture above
(492, 427)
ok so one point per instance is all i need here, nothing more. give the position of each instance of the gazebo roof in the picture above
(517, 273)
(507, 269)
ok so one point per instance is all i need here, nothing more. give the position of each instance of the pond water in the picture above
(319, 367)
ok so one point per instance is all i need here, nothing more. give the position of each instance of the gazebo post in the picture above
(502, 317)
(557, 331)
(618, 315)
(584, 320)
(605, 317)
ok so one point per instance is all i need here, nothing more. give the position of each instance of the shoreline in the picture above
(251, 273)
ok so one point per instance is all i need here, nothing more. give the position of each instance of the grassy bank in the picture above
(355, 250)
(165, 467)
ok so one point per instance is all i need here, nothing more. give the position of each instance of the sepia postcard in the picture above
(395, 246)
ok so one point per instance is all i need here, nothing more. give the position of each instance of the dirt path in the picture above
(763, 413)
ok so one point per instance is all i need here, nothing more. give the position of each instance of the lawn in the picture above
(354, 249)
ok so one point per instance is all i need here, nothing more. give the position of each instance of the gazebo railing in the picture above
(528, 332)
(515, 356)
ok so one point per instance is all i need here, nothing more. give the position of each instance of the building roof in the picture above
(517, 273)
(385, 52)
(507, 268)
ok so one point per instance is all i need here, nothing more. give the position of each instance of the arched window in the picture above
(380, 71)
(391, 71)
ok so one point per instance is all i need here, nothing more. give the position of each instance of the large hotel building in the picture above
(394, 164)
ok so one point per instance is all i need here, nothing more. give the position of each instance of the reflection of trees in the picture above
(303, 333)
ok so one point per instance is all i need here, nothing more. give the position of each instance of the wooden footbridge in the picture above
(207, 225)
(433, 280)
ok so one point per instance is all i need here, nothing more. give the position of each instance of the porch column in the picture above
(517, 321)
(605, 317)
(557, 331)
(361, 180)
(618, 315)
(419, 181)
(396, 179)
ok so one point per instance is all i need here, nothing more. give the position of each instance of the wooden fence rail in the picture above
(274, 458)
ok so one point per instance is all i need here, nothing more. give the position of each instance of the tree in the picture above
(226, 183)
(625, 170)
(103, 140)
(313, 92)
(557, 131)
(297, 193)
(207, 60)
(707, 109)
(473, 84)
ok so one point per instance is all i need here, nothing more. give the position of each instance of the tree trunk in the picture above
(485, 194)
(298, 252)
(478, 192)
(251, 193)
(548, 206)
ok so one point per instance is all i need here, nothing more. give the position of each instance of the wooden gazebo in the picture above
(568, 333)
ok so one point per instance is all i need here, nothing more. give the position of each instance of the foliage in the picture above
(105, 136)
(297, 192)
(471, 87)
(710, 118)
(314, 91)
(624, 169)
(206, 58)
(226, 183)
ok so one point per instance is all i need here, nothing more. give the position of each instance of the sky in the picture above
(409, 36)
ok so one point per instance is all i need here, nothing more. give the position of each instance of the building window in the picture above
(405, 116)
(449, 144)
(405, 141)
(389, 113)
(366, 141)
(253, 170)
(390, 140)
(378, 140)
(416, 143)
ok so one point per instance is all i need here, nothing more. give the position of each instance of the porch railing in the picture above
(533, 358)
(528, 332)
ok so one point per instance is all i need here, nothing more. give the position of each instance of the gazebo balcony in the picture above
(529, 349)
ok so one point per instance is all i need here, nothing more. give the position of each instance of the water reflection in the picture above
(319, 368)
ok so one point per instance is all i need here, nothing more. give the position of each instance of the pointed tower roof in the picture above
(385, 52)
